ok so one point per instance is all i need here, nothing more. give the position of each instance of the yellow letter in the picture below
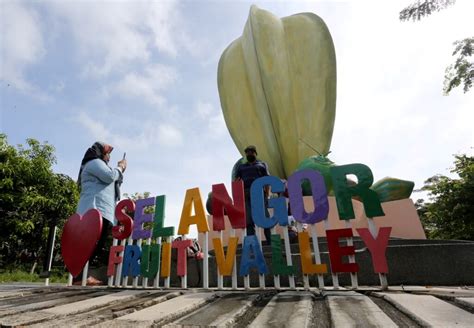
(193, 196)
(166, 260)
(225, 263)
(306, 262)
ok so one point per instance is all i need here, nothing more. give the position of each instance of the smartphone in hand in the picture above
(124, 154)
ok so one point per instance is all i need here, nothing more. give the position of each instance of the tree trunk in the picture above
(33, 267)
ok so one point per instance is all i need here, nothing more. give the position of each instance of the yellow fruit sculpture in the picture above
(277, 87)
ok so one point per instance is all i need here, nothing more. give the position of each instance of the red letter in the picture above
(377, 247)
(181, 245)
(235, 211)
(336, 252)
(124, 230)
(114, 259)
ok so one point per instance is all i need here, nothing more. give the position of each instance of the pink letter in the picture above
(114, 259)
(377, 247)
(124, 229)
(222, 204)
(336, 252)
(181, 245)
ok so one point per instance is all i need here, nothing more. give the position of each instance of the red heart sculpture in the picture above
(79, 239)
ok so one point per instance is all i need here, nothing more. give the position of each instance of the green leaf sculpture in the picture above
(389, 189)
(277, 87)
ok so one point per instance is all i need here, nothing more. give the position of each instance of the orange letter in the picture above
(193, 196)
(225, 263)
(166, 260)
(307, 264)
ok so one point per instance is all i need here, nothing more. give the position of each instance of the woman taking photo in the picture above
(100, 189)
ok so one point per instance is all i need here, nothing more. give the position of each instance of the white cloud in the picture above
(204, 109)
(111, 36)
(163, 20)
(107, 36)
(149, 135)
(213, 118)
(98, 130)
(148, 85)
(168, 135)
(22, 43)
(217, 126)
(58, 87)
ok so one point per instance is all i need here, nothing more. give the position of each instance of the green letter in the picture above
(344, 192)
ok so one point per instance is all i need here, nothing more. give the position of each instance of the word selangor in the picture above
(147, 260)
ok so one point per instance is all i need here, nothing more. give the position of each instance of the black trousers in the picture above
(251, 223)
(100, 257)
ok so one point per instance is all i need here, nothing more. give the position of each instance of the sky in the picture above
(142, 76)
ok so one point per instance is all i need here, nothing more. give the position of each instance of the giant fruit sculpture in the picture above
(277, 87)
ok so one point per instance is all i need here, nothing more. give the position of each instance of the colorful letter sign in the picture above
(81, 233)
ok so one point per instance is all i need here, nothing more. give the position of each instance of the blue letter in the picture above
(251, 244)
(258, 205)
(130, 260)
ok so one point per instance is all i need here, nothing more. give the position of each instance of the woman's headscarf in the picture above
(98, 150)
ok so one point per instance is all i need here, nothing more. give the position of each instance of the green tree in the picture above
(449, 213)
(462, 71)
(136, 196)
(32, 198)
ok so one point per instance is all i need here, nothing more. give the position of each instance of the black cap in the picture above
(251, 147)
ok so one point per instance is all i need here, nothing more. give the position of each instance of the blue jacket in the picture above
(249, 172)
(98, 189)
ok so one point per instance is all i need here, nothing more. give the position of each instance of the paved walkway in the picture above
(59, 306)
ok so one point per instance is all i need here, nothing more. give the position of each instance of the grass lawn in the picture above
(18, 275)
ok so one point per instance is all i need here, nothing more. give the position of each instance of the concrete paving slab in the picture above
(335, 288)
(407, 288)
(468, 302)
(339, 293)
(221, 313)
(68, 298)
(286, 309)
(356, 311)
(23, 319)
(168, 310)
(13, 293)
(33, 317)
(22, 292)
(369, 288)
(37, 297)
(400, 318)
(231, 308)
(97, 302)
(428, 310)
(451, 293)
(20, 285)
(107, 313)
(444, 291)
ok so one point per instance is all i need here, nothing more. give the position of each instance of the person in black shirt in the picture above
(248, 172)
